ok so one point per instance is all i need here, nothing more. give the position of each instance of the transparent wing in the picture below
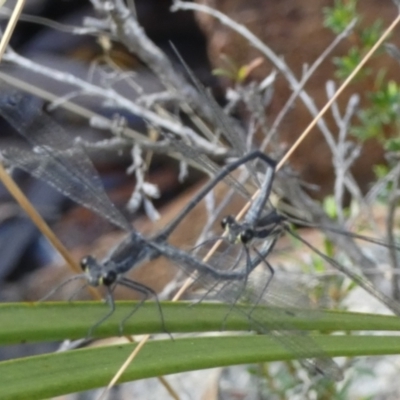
(54, 156)
(258, 219)
(205, 162)
(235, 287)
(223, 122)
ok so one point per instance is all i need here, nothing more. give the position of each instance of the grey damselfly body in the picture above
(262, 220)
(55, 158)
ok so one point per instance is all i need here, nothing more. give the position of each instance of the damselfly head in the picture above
(95, 272)
(227, 221)
(108, 278)
(86, 263)
(246, 235)
(235, 231)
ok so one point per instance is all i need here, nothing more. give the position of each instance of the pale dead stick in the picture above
(189, 281)
(11, 25)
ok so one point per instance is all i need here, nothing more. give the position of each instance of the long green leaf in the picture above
(55, 374)
(29, 322)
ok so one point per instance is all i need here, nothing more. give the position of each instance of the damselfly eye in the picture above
(246, 236)
(109, 278)
(227, 221)
(85, 261)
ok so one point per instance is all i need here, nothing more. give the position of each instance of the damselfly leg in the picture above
(106, 275)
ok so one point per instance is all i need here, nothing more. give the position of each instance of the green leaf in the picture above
(380, 170)
(370, 34)
(329, 206)
(340, 15)
(59, 373)
(21, 323)
(346, 64)
(393, 144)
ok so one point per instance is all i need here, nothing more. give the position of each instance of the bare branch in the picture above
(258, 44)
(309, 73)
(121, 101)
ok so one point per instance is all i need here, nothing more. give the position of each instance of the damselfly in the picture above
(56, 159)
(262, 221)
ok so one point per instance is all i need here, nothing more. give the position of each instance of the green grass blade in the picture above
(59, 373)
(55, 374)
(31, 322)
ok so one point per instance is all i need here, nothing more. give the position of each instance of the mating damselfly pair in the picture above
(49, 153)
